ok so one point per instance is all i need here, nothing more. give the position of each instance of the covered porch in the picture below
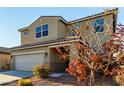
(58, 61)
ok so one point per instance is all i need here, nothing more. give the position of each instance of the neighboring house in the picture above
(5, 58)
(39, 39)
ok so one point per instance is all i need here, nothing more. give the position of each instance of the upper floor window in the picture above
(98, 25)
(25, 34)
(38, 32)
(42, 31)
(45, 30)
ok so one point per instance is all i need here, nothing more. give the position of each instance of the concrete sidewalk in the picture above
(13, 75)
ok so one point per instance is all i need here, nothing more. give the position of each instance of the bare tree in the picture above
(105, 55)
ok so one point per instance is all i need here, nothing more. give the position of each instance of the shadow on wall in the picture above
(56, 63)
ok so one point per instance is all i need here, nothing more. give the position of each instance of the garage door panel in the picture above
(28, 61)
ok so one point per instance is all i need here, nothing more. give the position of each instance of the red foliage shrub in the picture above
(93, 58)
(77, 69)
(96, 58)
(111, 72)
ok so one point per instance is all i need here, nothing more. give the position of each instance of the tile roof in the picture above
(93, 16)
(4, 50)
(45, 43)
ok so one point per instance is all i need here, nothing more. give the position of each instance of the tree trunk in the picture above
(92, 75)
(92, 78)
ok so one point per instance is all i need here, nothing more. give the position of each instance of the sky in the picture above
(14, 18)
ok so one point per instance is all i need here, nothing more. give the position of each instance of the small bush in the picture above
(41, 70)
(24, 82)
(119, 78)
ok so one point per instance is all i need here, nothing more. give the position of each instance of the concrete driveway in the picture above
(13, 75)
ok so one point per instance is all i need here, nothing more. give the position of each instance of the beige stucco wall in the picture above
(25, 40)
(61, 29)
(58, 29)
(56, 63)
(52, 30)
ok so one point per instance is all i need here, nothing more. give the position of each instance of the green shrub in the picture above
(24, 82)
(41, 70)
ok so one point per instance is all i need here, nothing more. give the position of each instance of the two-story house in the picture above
(39, 39)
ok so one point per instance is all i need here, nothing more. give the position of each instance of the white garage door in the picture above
(26, 62)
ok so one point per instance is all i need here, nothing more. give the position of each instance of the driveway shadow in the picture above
(20, 74)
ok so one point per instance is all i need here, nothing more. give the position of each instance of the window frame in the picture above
(25, 35)
(41, 31)
(44, 30)
(36, 32)
(95, 22)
